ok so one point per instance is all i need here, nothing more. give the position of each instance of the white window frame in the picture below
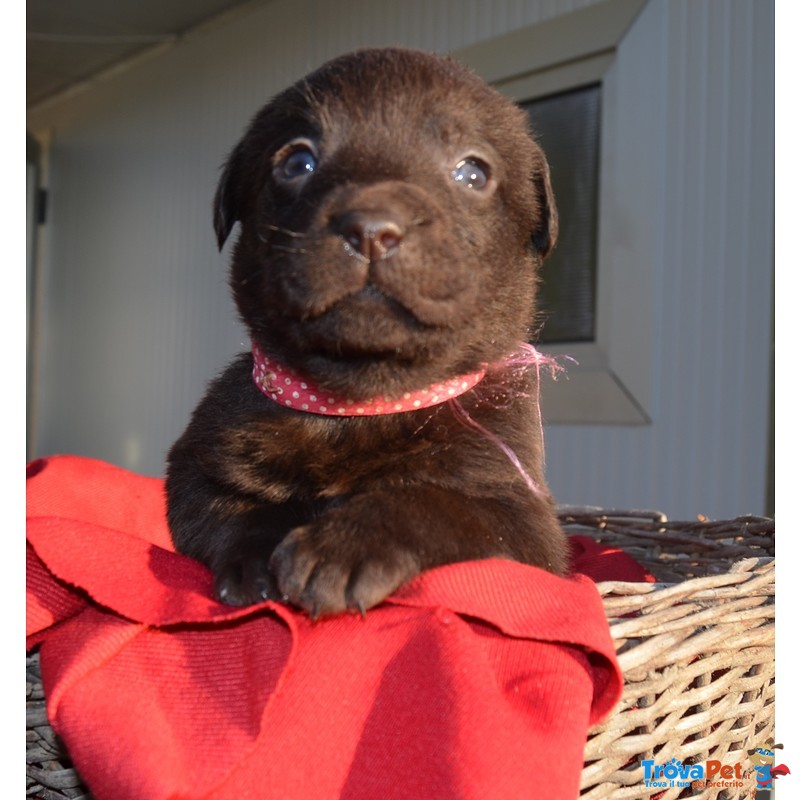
(612, 381)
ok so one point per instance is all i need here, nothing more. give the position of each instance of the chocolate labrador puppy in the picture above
(394, 211)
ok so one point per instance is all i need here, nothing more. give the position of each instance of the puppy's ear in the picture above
(228, 198)
(546, 232)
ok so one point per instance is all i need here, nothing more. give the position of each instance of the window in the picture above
(567, 126)
(582, 88)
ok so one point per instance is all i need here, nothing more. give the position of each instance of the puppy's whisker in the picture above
(287, 231)
(436, 410)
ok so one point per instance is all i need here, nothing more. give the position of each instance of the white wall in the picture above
(135, 315)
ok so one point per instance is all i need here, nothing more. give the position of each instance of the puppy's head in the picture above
(394, 210)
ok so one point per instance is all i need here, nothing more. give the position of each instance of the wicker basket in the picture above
(50, 775)
(697, 650)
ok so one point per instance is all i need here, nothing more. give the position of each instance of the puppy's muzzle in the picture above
(371, 235)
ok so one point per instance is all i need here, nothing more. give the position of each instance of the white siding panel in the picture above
(136, 316)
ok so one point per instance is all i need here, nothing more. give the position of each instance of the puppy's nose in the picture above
(370, 234)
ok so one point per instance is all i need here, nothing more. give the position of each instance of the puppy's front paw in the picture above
(326, 570)
(244, 582)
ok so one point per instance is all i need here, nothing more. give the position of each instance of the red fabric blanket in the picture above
(476, 680)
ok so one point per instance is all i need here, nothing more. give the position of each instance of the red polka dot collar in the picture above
(287, 387)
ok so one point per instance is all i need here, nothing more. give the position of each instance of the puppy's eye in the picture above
(298, 161)
(471, 173)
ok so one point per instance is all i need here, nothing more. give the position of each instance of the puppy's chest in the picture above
(313, 458)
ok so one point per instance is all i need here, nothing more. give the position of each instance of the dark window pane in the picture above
(568, 128)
